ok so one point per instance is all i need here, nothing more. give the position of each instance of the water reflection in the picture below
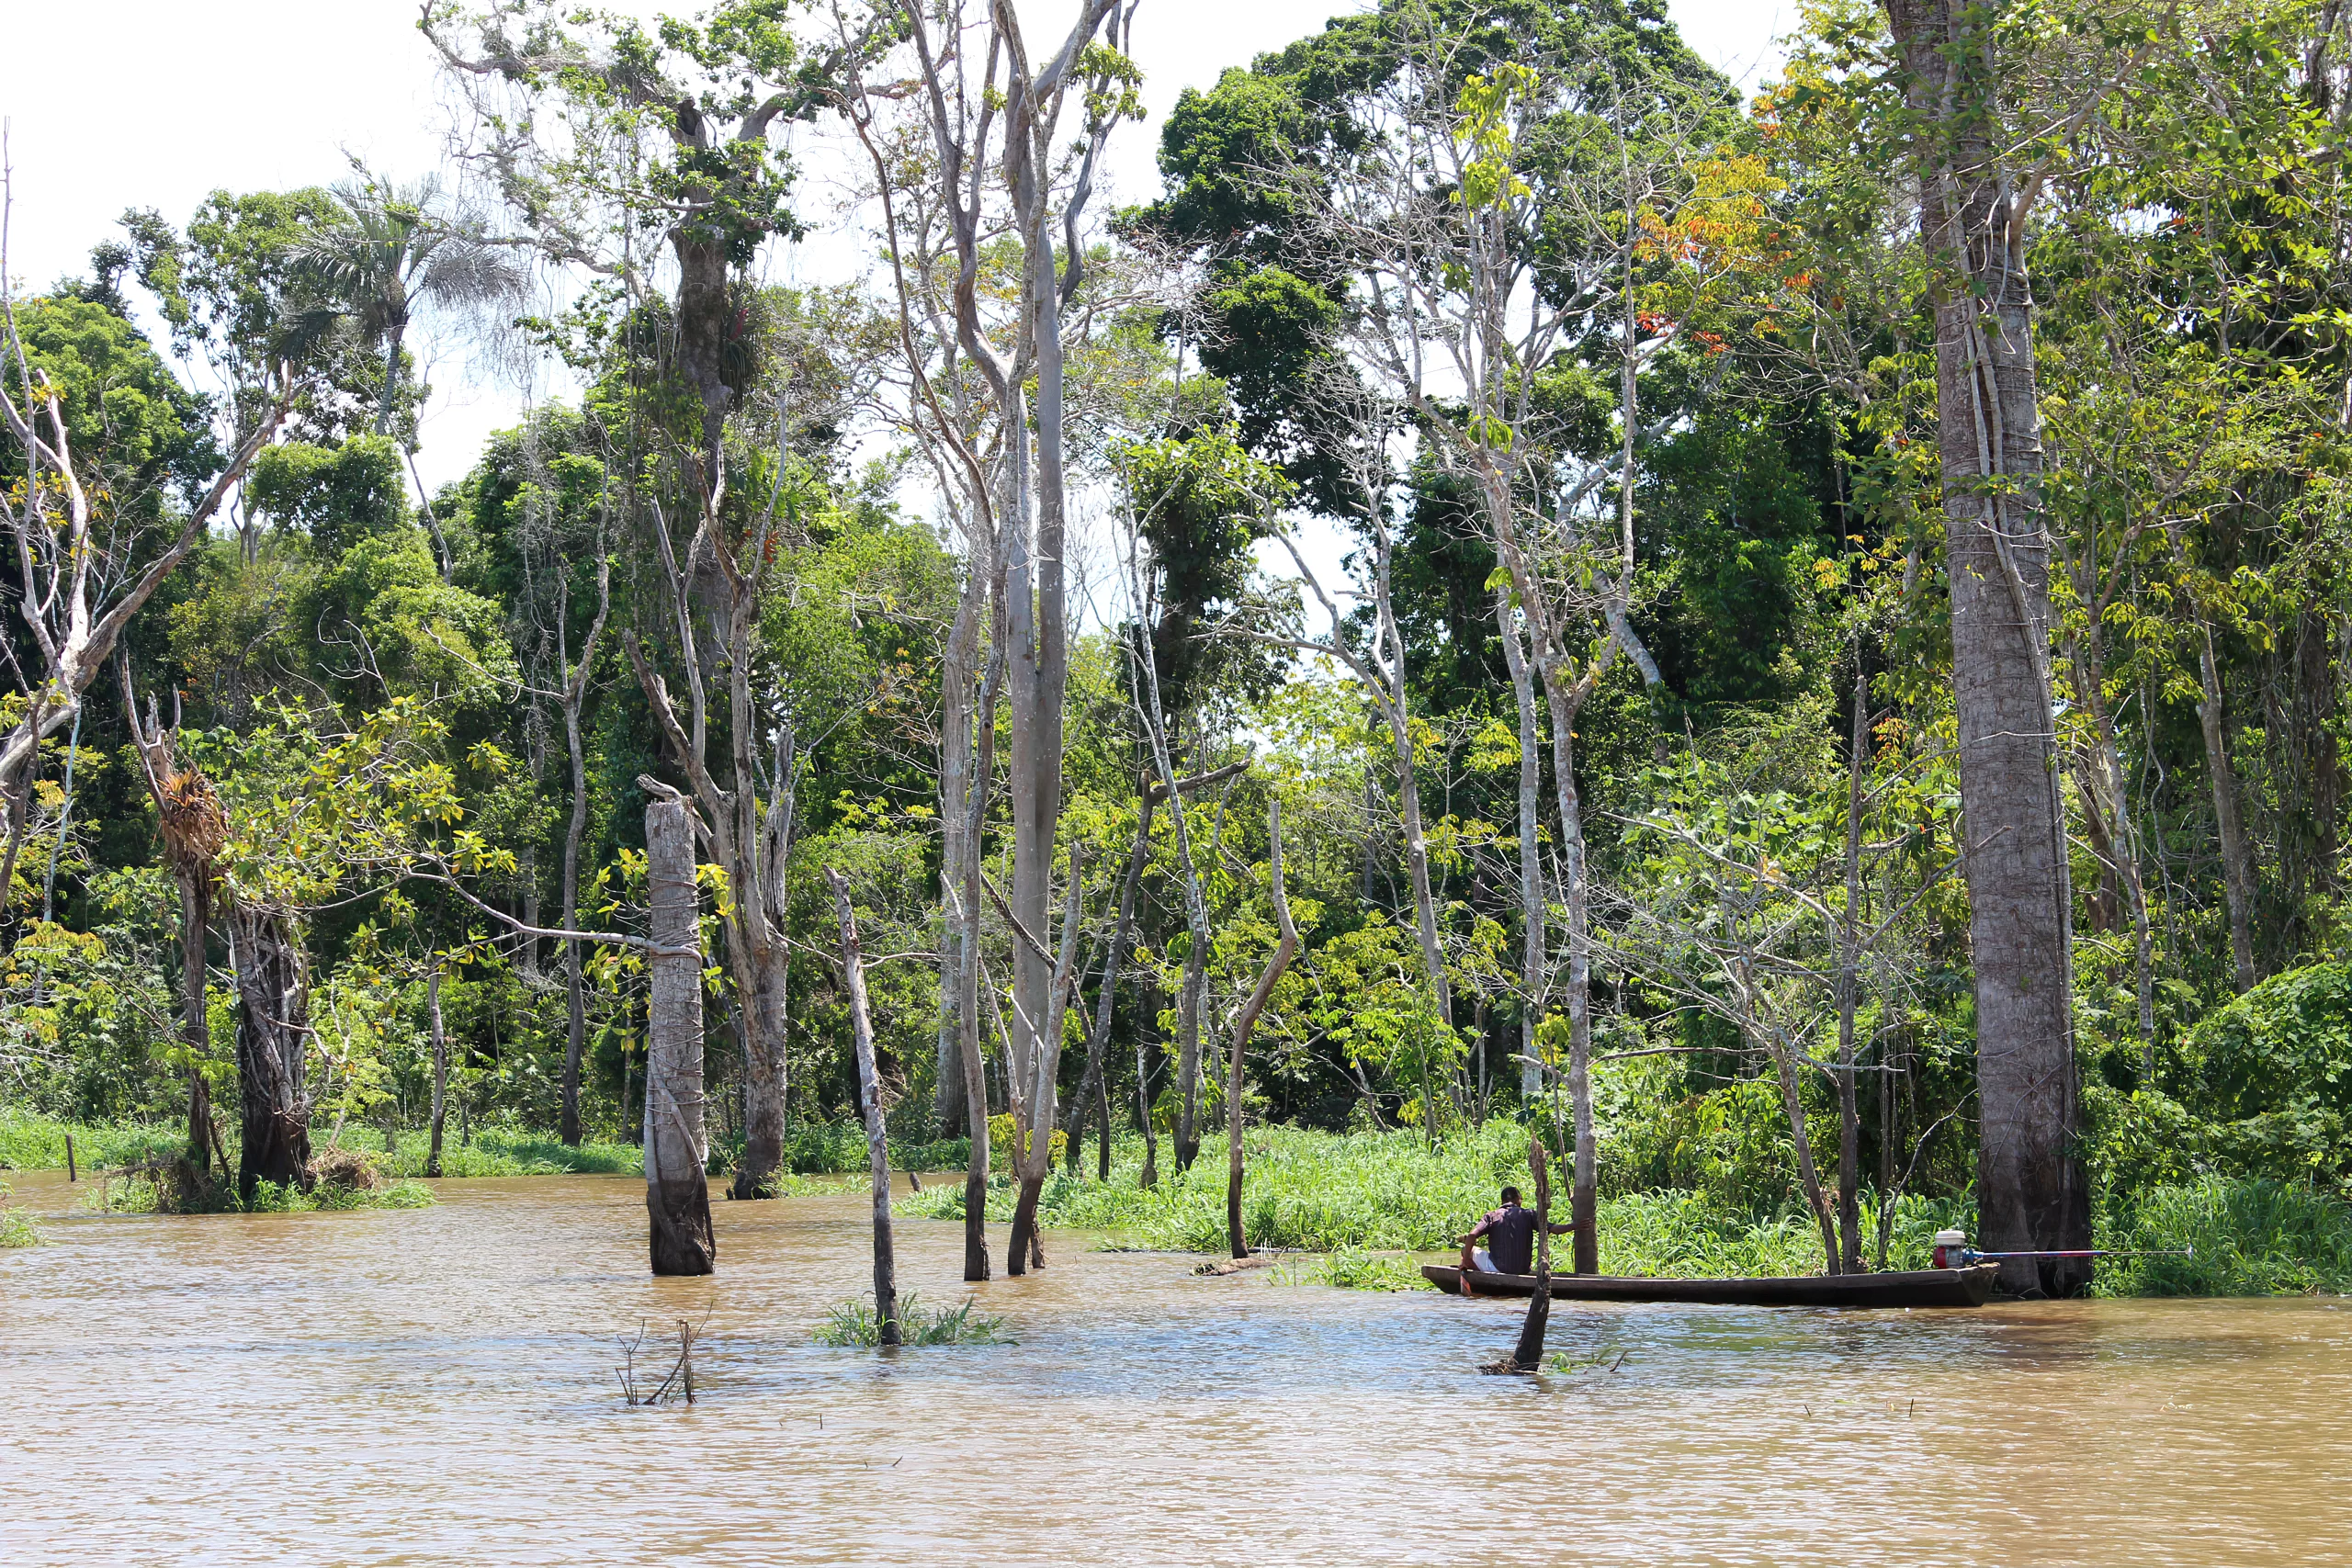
(436, 1386)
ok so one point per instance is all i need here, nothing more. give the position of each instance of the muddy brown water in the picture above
(436, 1386)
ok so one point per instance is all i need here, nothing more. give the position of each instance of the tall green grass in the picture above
(2244, 1238)
(38, 1143)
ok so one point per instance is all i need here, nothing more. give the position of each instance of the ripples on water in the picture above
(435, 1386)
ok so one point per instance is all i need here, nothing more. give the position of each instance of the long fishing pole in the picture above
(1973, 1256)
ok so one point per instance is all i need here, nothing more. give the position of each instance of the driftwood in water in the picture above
(869, 1094)
(677, 1194)
(1283, 952)
(1528, 1355)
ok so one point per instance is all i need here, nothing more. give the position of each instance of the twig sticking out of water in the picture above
(678, 1382)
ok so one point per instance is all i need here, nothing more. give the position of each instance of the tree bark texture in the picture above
(273, 1038)
(677, 1194)
(869, 1098)
(2031, 1190)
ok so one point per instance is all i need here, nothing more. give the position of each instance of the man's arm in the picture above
(1484, 1225)
(1562, 1228)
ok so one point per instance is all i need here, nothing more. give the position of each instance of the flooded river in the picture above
(436, 1386)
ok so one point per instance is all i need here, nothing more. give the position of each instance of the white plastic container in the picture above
(1949, 1248)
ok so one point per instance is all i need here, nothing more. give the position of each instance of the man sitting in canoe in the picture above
(1510, 1233)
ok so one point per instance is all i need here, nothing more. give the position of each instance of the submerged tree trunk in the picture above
(273, 1034)
(975, 1059)
(2031, 1190)
(869, 1097)
(677, 1194)
(1284, 951)
(440, 1066)
(1528, 1355)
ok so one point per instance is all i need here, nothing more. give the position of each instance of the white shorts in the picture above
(1484, 1262)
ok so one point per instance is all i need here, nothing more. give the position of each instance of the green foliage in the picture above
(857, 1325)
(17, 1227)
(336, 496)
(32, 1142)
(2244, 1237)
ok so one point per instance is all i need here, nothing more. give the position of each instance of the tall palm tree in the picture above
(398, 251)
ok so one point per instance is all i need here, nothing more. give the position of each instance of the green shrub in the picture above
(2244, 1238)
(859, 1324)
(17, 1227)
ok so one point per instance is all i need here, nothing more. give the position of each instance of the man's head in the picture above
(1510, 1197)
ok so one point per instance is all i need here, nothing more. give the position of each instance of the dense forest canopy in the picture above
(1835, 687)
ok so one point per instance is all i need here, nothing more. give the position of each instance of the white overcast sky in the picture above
(156, 103)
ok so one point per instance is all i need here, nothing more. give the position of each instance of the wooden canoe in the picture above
(1917, 1288)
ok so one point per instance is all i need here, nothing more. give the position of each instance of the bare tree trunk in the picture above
(1849, 1124)
(1099, 1037)
(1408, 789)
(677, 1194)
(2237, 856)
(273, 1034)
(976, 1084)
(575, 831)
(1530, 859)
(2032, 1191)
(959, 674)
(1583, 1204)
(440, 1065)
(1284, 951)
(869, 1096)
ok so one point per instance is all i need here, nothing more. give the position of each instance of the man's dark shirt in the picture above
(1510, 1239)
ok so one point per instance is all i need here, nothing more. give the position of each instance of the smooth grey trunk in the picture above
(1531, 858)
(975, 1060)
(1408, 789)
(440, 1040)
(2033, 1193)
(677, 1194)
(1286, 949)
(1565, 699)
(574, 693)
(870, 1099)
(1849, 959)
(959, 674)
(2237, 855)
